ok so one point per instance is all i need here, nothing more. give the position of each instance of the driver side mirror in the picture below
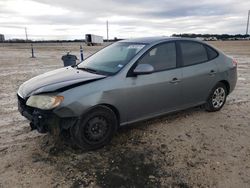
(142, 69)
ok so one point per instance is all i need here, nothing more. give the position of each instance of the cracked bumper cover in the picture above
(44, 120)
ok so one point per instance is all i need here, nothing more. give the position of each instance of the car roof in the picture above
(151, 40)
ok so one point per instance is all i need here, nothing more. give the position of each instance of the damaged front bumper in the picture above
(44, 120)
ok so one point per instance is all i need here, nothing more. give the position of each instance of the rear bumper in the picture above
(233, 77)
(44, 121)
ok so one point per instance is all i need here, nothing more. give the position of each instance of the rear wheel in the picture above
(217, 98)
(95, 129)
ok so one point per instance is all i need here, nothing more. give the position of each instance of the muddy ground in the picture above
(192, 148)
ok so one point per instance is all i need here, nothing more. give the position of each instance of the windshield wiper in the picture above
(90, 70)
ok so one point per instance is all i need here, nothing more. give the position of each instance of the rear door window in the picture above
(161, 57)
(193, 53)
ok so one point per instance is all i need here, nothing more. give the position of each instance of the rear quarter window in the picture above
(211, 53)
(193, 53)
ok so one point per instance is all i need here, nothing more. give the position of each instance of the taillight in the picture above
(234, 63)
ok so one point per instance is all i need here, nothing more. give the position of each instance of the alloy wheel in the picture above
(219, 97)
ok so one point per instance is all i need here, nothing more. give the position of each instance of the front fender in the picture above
(78, 106)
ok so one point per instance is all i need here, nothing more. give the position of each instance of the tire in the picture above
(95, 129)
(217, 98)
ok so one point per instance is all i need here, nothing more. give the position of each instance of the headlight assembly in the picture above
(44, 102)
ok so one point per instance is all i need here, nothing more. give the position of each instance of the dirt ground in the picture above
(192, 148)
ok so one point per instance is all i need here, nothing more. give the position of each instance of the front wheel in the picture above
(217, 98)
(95, 129)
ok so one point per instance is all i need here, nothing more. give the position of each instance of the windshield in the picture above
(111, 59)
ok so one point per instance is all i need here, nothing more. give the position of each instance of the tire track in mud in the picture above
(124, 163)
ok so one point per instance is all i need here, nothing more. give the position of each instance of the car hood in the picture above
(56, 79)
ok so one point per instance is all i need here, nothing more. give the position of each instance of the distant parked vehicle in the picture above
(126, 82)
(92, 40)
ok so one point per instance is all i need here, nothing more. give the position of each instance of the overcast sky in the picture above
(72, 19)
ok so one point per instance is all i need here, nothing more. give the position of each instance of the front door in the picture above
(158, 92)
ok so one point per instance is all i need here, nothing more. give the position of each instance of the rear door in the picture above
(199, 72)
(158, 92)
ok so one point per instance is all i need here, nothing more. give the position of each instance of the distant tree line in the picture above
(218, 36)
(53, 41)
(41, 41)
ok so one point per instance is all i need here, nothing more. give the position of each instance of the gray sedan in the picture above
(126, 82)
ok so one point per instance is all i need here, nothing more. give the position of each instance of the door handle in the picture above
(212, 72)
(174, 81)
